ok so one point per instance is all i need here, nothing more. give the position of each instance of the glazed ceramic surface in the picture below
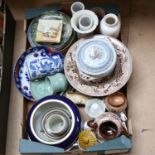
(96, 57)
(67, 31)
(110, 25)
(75, 22)
(107, 86)
(21, 74)
(49, 85)
(77, 6)
(107, 125)
(47, 109)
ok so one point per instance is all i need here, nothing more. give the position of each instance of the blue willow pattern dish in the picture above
(67, 30)
(21, 75)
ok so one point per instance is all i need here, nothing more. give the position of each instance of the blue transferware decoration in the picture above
(55, 104)
(21, 74)
(39, 67)
(49, 85)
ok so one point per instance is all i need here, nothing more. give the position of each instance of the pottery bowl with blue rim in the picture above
(54, 120)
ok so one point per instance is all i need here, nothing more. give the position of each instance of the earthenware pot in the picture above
(77, 6)
(110, 25)
(116, 102)
(75, 22)
(107, 125)
(54, 109)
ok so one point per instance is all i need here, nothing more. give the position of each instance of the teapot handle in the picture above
(92, 124)
(125, 132)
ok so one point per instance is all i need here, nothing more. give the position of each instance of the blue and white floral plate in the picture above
(21, 75)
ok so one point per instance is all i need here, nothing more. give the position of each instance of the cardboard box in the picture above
(138, 35)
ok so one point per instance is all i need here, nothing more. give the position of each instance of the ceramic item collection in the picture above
(71, 66)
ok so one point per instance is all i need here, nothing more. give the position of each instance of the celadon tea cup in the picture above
(49, 85)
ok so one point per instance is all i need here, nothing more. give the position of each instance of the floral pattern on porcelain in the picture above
(107, 86)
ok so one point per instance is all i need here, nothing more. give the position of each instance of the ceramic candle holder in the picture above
(85, 23)
(77, 6)
(75, 23)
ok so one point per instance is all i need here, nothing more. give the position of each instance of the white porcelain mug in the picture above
(77, 6)
(85, 22)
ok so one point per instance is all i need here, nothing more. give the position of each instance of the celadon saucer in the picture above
(66, 32)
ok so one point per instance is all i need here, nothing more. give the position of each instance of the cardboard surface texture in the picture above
(139, 35)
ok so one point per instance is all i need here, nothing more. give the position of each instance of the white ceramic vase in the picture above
(110, 25)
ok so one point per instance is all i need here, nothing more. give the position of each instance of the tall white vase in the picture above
(110, 25)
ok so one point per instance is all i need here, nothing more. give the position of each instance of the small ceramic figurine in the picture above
(116, 102)
(110, 25)
(86, 139)
(77, 97)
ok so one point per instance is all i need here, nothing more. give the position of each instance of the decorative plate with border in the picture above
(107, 86)
(21, 75)
(67, 31)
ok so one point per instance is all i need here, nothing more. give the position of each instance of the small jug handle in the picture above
(92, 124)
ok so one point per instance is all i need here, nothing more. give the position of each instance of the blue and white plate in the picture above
(21, 74)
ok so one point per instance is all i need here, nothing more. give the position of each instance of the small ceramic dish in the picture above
(94, 108)
(75, 22)
(96, 57)
(107, 86)
(21, 75)
(45, 111)
(66, 32)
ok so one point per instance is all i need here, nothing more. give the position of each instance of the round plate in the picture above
(96, 57)
(66, 32)
(107, 86)
(21, 75)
